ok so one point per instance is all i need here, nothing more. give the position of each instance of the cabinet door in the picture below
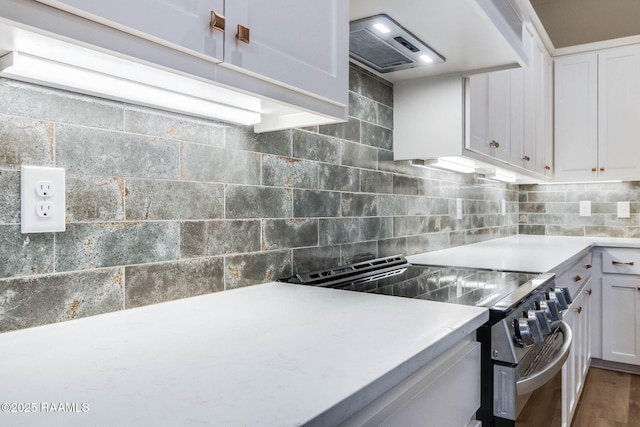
(479, 114)
(574, 372)
(620, 305)
(576, 117)
(619, 113)
(532, 93)
(300, 43)
(490, 113)
(544, 145)
(515, 122)
(538, 153)
(181, 24)
(569, 395)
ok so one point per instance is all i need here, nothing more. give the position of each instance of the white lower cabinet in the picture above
(574, 372)
(619, 270)
(445, 392)
(621, 319)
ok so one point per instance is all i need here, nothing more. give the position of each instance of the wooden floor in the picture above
(609, 399)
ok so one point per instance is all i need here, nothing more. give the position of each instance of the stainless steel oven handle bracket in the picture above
(536, 380)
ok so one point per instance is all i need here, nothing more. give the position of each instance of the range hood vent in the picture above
(382, 44)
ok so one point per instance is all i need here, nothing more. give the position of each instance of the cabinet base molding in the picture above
(615, 366)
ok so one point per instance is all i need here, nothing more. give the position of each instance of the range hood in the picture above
(382, 44)
(474, 36)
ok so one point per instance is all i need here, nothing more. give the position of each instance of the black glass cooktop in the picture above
(444, 284)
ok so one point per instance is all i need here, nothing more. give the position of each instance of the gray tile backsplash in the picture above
(163, 206)
(554, 210)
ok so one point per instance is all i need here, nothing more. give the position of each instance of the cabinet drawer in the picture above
(621, 261)
(576, 276)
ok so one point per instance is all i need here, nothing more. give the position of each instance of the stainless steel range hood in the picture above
(473, 35)
(384, 45)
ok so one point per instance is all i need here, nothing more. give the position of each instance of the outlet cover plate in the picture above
(30, 178)
(624, 210)
(585, 208)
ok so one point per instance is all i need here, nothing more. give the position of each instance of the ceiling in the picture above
(575, 22)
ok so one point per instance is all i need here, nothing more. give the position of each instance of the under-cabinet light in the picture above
(33, 69)
(614, 181)
(504, 176)
(456, 164)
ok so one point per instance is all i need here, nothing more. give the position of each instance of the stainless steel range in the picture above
(525, 342)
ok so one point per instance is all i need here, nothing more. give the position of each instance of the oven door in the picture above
(514, 386)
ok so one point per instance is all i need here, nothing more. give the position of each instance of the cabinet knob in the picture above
(601, 169)
(526, 158)
(588, 266)
(578, 310)
(217, 21)
(577, 279)
(547, 167)
(593, 169)
(494, 144)
(243, 34)
(589, 291)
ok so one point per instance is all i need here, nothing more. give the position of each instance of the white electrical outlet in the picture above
(624, 210)
(45, 209)
(458, 208)
(585, 208)
(42, 199)
(45, 188)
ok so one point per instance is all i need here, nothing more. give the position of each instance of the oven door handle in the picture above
(538, 379)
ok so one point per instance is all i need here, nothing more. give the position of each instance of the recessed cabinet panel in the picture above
(620, 319)
(181, 24)
(619, 110)
(537, 151)
(576, 117)
(490, 109)
(574, 372)
(301, 43)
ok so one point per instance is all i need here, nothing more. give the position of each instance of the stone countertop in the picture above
(271, 354)
(536, 254)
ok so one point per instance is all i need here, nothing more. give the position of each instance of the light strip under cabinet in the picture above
(33, 69)
(504, 176)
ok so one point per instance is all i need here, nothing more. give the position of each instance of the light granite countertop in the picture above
(270, 355)
(536, 254)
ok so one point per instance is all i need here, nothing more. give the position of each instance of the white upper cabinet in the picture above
(284, 61)
(183, 24)
(298, 43)
(537, 146)
(496, 114)
(576, 116)
(619, 113)
(597, 105)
